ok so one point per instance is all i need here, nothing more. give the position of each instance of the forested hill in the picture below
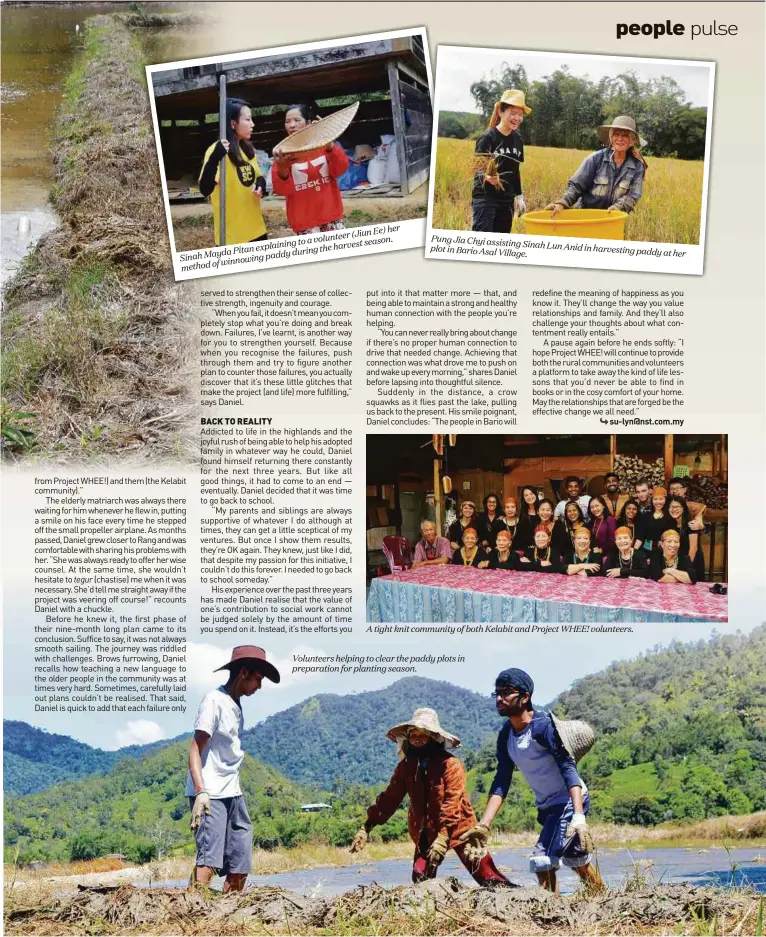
(682, 698)
(331, 740)
(139, 809)
(34, 760)
(682, 729)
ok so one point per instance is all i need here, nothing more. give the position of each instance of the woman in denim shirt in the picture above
(611, 178)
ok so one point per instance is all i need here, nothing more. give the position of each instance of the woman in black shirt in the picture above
(540, 558)
(509, 521)
(668, 564)
(485, 521)
(573, 518)
(503, 557)
(466, 519)
(582, 561)
(469, 554)
(626, 561)
(498, 156)
(629, 518)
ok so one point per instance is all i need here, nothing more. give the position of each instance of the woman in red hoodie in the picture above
(309, 180)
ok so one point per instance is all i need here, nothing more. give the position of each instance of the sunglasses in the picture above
(718, 589)
(505, 692)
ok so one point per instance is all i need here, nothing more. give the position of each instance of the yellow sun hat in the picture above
(516, 99)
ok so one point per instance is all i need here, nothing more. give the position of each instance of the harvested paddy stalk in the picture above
(97, 341)
(437, 907)
(485, 164)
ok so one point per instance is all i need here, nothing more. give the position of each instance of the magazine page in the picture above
(380, 383)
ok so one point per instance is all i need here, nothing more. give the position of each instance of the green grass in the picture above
(86, 320)
(668, 212)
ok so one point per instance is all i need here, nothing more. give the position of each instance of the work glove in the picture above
(359, 841)
(201, 808)
(580, 826)
(615, 207)
(437, 851)
(521, 205)
(475, 841)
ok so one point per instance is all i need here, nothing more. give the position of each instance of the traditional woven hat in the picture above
(428, 721)
(516, 99)
(320, 132)
(254, 655)
(620, 123)
(576, 736)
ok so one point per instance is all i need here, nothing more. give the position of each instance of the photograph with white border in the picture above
(570, 160)
(327, 147)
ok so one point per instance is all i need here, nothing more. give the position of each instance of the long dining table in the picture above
(459, 594)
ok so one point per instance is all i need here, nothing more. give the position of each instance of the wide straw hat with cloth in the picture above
(621, 123)
(428, 721)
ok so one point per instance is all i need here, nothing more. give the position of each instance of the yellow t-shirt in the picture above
(244, 221)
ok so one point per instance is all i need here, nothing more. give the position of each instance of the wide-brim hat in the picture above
(515, 98)
(253, 655)
(320, 132)
(621, 123)
(427, 720)
(576, 736)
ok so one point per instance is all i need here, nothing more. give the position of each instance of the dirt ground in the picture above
(193, 224)
(439, 907)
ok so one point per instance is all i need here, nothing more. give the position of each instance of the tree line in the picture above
(567, 108)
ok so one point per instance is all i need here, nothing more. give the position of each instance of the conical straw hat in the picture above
(576, 736)
(321, 132)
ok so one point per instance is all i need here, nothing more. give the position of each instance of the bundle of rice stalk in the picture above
(486, 165)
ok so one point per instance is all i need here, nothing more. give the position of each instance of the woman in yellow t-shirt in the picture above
(245, 185)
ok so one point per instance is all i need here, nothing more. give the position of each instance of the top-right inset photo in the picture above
(570, 160)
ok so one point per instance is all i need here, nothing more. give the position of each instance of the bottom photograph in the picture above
(631, 800)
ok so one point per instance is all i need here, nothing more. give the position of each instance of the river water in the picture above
(658, 865)
(39, 44)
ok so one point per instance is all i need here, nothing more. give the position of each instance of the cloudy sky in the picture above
(457, 68)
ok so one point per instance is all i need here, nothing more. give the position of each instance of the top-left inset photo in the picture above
(295, 154)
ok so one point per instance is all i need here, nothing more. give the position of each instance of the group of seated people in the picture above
(654, 534)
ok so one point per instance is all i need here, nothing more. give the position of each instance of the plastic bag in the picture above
(376, 170)
(393, 174)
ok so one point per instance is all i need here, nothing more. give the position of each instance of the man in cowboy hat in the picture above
(611, 178)
(530, 741)
(440, 810)
(219, 818)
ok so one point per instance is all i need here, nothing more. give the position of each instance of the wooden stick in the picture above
(223, 167)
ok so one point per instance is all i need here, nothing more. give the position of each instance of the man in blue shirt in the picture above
(529, 741)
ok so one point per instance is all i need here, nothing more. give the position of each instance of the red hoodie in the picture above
(313, 196)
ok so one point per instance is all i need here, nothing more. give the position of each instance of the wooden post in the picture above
(724, 459)
(612, 451)
(397, 112)
(669, 457)
(222, 170)
(438, 498)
